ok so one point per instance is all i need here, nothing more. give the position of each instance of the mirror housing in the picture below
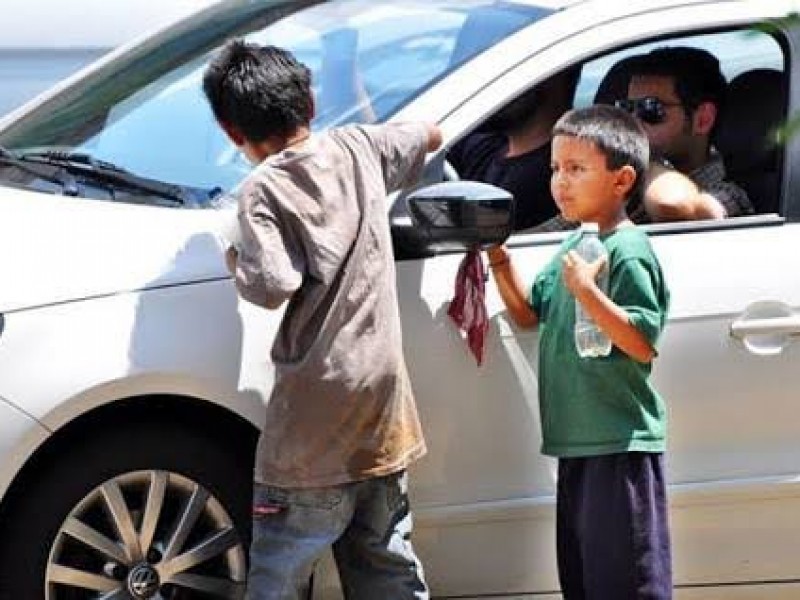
(459, 215)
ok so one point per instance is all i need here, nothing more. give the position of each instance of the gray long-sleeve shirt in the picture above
(315, 232)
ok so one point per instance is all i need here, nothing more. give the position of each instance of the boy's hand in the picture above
(230, 259)
(580, 276)
(497, 254)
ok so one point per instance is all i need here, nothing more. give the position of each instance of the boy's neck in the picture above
(612, 223)
(297, 138)
(276, 144)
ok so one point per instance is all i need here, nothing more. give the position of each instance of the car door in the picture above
(727, 368)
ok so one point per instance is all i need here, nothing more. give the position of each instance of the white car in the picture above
(132, 379)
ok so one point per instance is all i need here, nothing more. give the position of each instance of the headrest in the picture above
(614, 85)
(754, 110)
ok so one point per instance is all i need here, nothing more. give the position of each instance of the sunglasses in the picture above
(650, 110)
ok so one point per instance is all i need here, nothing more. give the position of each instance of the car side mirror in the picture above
(458, 215)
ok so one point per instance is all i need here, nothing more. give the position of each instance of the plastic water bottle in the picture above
(590, 341)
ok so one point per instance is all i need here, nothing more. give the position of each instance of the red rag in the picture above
(468, 306)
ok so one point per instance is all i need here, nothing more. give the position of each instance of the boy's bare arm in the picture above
(434, 137)
(231, 255)
(580, 278)
(511, 290)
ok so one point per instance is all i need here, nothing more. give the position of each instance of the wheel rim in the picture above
(147, 535)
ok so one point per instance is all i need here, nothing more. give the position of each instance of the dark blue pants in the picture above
(612, 533)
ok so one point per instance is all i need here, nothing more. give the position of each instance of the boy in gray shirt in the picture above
(341, 424)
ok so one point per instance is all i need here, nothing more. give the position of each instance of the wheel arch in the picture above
(214, 422)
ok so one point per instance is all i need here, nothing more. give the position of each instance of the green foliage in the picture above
(774, 27)
(788, 130)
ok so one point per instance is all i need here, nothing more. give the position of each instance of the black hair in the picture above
(614, 132)
(695, 72)
(523, 109)
(262, 91)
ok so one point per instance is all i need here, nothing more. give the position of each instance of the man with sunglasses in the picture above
(677, 94)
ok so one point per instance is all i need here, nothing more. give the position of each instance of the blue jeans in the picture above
(368, 524)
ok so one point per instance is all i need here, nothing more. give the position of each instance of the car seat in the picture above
(755, 108)
(614, 85)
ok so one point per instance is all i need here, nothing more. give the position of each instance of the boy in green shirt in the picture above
(600, 416)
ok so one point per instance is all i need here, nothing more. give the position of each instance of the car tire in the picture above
(182, 493)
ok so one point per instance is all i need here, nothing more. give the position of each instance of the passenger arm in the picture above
(671, 196)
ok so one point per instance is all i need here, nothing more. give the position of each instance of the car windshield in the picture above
(146, 111)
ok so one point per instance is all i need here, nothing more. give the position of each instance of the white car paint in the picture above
(727, 459)
(118, 247)
(113, 282)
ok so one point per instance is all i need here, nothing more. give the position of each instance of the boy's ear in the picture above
(233, 134)
(625, 180)
(312, 108)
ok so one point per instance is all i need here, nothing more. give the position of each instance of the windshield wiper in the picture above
(68, 183)
(108, 173)
(83, 158)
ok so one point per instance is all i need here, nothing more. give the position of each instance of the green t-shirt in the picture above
(605, 405)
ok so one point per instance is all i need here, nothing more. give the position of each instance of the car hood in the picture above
(56, 249)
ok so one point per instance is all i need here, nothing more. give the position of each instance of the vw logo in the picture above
(143, 582)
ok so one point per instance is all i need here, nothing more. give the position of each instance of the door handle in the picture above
(787, 325)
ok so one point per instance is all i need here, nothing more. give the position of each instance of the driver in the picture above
(512, 150)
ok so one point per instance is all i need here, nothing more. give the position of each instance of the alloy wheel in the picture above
(147, 535)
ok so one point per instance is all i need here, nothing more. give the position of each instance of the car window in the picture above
(751, 60)
(737, 51)
(753, 64)
(147, 113)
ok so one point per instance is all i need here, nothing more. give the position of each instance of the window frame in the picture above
(539, 65)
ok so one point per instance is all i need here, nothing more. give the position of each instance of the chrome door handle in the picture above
(741, 328)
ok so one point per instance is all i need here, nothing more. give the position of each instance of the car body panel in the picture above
(118, 286)
(484, 450)
(20, 435)
(142, 345)
(119, 248)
